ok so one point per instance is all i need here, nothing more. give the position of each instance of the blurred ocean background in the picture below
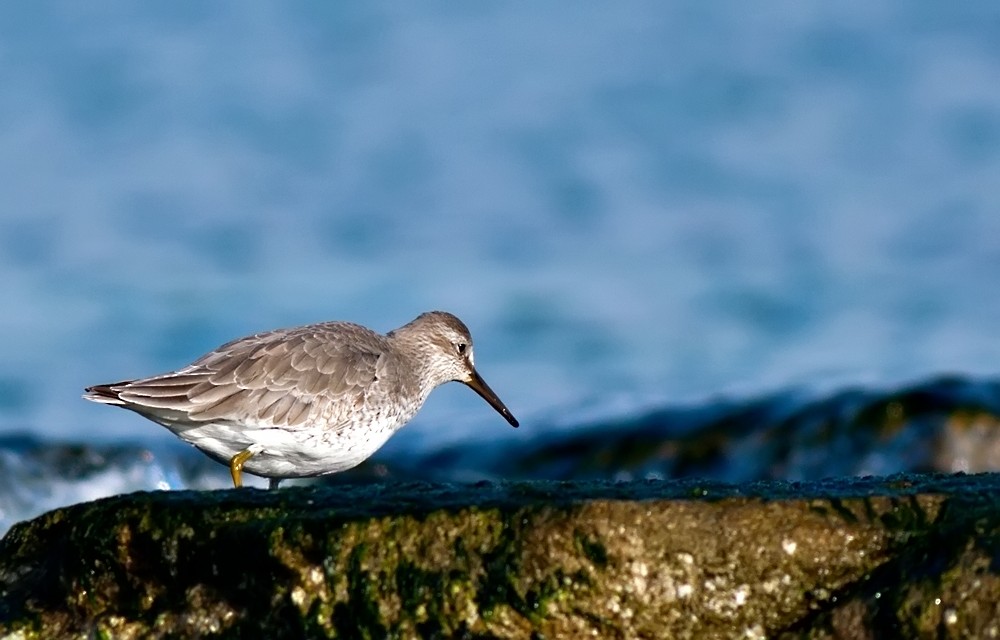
(642, 209)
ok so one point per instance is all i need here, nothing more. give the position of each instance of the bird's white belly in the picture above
(284, 453)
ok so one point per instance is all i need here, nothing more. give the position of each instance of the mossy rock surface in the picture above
(907, 556)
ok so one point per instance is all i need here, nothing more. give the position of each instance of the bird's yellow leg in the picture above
(236, 465)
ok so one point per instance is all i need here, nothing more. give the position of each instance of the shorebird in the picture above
(305, 401)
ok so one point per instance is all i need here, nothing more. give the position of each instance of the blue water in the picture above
(630, 205)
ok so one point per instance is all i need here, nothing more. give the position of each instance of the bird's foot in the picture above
(237, 462)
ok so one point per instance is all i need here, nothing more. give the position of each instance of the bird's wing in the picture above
(285, 378)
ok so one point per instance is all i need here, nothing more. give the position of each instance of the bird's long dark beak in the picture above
(477, 384)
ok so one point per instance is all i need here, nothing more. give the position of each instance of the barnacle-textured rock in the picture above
(907, 555)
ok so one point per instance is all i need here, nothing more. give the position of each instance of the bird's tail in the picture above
(105, 393)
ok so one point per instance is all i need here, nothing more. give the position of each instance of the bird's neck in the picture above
(420, 355)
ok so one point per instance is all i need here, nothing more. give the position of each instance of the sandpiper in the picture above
(305, 401)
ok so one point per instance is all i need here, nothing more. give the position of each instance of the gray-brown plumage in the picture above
(305, 401)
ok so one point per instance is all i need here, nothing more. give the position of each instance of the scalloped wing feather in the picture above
(285, 378)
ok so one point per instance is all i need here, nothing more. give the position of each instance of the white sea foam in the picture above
(38, 477)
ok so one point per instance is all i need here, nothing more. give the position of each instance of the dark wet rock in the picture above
(907, 556)
(945, 424)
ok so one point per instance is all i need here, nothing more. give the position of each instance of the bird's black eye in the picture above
(461, 346)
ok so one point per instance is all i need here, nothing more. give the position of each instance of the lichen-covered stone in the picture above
(910, 555)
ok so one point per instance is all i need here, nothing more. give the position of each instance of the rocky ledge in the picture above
(905, 556)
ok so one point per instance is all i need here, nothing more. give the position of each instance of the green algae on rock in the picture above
(519, 560)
